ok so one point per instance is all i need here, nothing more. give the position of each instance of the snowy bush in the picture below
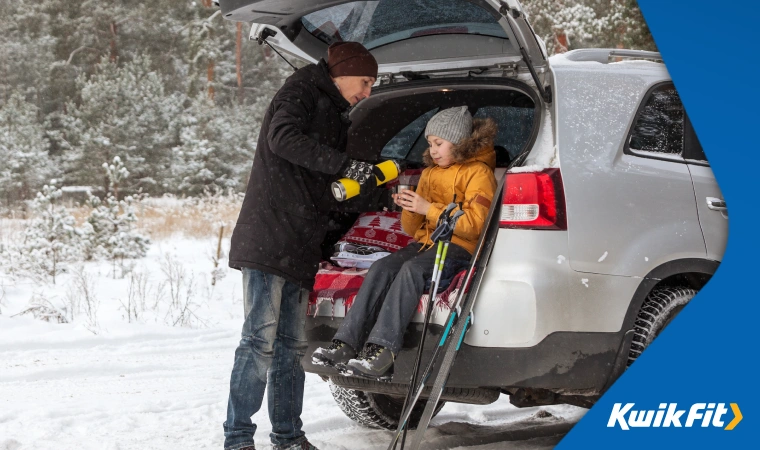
(42, 309)
(81, 297)
(111, 223)
(182, 302)
(50, 241)
(138, 291)
(113, 235)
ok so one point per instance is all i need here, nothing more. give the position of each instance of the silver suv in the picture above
(610, 219)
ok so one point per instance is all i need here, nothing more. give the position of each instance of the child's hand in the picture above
(411, 201)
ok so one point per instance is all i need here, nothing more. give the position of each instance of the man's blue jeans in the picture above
(270, 351)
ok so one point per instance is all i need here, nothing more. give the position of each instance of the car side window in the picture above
(659, 125)
(692, 149)
(400, 146)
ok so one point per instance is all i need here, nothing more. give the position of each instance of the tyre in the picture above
(376, 410)
(659, 308)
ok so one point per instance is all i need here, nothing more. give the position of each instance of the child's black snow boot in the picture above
(336, 354)
(374, 361)
(303, 445)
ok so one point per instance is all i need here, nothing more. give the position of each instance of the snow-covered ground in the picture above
(146, 384)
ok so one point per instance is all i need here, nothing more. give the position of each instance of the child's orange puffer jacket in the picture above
(471, 178)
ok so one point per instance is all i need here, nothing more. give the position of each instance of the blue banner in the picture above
(697, 382)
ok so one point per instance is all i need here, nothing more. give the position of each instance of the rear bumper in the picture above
(565, 362)
(537, 323)
(529, 292)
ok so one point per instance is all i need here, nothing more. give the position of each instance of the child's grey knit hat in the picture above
(453, 124)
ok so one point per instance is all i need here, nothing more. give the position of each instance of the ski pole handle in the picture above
(437, 263)
(443, 257)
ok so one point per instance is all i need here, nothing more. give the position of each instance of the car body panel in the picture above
(530, 292)
(596, 104)
(713, 219)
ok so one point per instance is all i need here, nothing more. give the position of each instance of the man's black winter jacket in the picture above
(301, 149)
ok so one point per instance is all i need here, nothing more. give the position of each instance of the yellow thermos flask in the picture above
(346, 188)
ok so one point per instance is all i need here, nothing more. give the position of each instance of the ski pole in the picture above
(467, 301)
(431, 303)
(463, 306)
(447, 231)
(442, 225)
(440, 254)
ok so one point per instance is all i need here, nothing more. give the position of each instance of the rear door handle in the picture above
(716, 204)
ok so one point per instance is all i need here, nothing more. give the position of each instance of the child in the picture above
(460, 161)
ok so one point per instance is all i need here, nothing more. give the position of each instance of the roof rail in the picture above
(635, 54)
(607, 55)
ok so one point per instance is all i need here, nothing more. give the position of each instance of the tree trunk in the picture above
(210, 66)
(239, 61)
(114, 50)
(210, 79)
(560, 41)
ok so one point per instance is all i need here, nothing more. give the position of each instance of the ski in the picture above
(467, 301)
(454, 327)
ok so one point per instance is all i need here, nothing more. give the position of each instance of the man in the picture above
(277, 239)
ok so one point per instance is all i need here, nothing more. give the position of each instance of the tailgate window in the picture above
(401, 145)
(515, 128)
(377, 23)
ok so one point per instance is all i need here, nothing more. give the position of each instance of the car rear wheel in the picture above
(659, 308)
(376, 410)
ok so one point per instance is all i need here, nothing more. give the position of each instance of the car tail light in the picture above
(533, 200)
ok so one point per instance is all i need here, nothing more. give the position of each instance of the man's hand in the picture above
(363, 173)
(412, 202)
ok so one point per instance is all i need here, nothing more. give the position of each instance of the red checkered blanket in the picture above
(335, 283)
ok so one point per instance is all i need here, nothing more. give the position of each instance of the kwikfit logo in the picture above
(668, 415)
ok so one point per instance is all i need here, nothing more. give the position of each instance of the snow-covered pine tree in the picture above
(569, 24)
(561, 23)
(51, 240)
(621, 25)
(123, 111)
(113, 233)
(25, 165)
(116, 174)
(111, 222)
(27, 52)
(216, 146)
